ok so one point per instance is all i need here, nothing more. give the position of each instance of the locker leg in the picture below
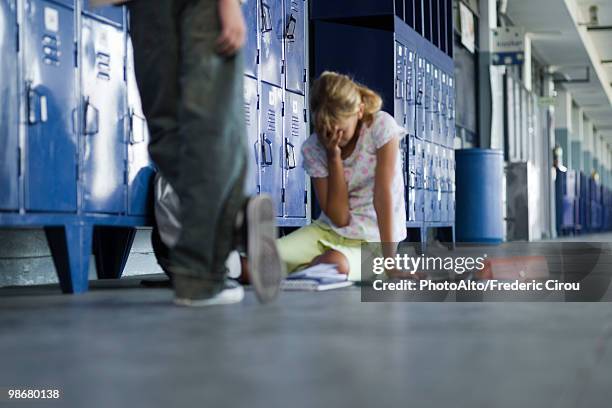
(423, 239)
(71, 249)
(111, 248)
(415, 235)
(447, 235)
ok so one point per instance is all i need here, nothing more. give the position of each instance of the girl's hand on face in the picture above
(331, 141)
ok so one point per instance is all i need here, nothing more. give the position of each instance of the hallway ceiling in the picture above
(560, 39)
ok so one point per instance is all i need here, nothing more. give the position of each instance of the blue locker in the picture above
(410, 92)
(271, 28)
(355, 8)
(428, 100)
(410, 178)
(295, 46)
(451, 112)
(140, 167)
(420, 98)
(435, 106)
(103, 145)
(451, 184)
(251, 99)
(444, 110)
(50, 76)
(428, 181)
(399, 111)
(251, 48)
(9, 111)
(437, 197)
(271, 144)
(294, 178)
(113, 14)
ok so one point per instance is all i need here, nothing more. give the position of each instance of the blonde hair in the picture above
(334, 97)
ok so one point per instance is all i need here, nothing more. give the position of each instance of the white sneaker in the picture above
(232, 293)
(233, 265)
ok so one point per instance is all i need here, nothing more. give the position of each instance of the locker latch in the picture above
(266, 18)
(290, 155)
(266, 150)
(290, 29)
(36, 105)
(91, 118)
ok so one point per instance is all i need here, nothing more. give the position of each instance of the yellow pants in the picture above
(300, 247)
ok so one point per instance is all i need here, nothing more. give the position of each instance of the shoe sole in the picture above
(226, 297)
(265, 267)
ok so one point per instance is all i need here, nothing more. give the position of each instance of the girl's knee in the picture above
(334, 257)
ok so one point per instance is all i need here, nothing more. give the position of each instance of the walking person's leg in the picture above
(207, 166)
(156, 59)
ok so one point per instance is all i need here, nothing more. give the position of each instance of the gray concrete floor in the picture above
(123, 345)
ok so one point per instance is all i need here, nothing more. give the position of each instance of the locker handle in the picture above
(290, 29)
(266, 18)
(266, 146)
(419, 98)
(91, 115)
(37, 106)
(291, 163)
(136, 137)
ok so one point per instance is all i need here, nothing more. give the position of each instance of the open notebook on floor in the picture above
(318, 277)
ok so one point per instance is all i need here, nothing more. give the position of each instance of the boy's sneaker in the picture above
(232, 293)
(257, 233)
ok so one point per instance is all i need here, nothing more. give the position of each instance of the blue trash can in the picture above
(480, 174)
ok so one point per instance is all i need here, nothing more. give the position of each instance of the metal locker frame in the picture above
(271, 30)
(295, 132)
(295, 40)
(251, 52)
(51, 106)
(271, 145)
(103, 159)
(9, 108)
(140, 168)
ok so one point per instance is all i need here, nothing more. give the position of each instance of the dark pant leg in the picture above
(155, 40)
(156, 45)
(213, 149)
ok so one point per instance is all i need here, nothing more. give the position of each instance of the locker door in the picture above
(410, 93)
(271, 28)
(251, 113)
(399, 98)
(51, 141)
(451, 187)
(437, 183)
(140, 167)
(112, 14)
(435, 106)
(411, 179)
(103, 144)
(428, 100)
(295, 177)
(451, 112)
(9, 108)
(443, 110)
(295, 45)
(420, 99)
(271, 143)
(251, 48)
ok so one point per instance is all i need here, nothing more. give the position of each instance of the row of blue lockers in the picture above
(582, 203)
(72, 130)
(430, 182)
(276, 106)
(71, 120)
(415, 80)
(431, 19)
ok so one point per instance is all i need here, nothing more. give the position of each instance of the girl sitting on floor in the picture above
(355, 164)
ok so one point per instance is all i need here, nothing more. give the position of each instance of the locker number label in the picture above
(51, 19)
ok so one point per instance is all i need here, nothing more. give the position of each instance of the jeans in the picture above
(192, 99)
